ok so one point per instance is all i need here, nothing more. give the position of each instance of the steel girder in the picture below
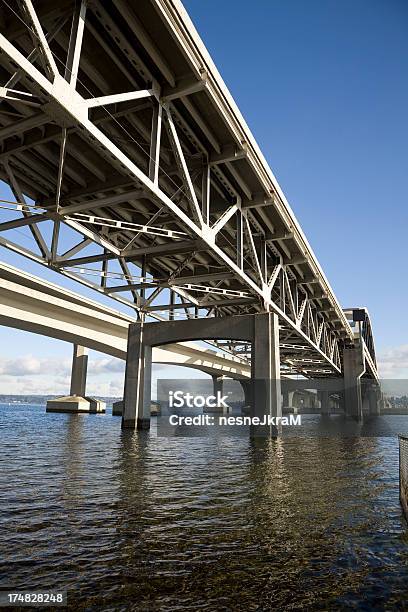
(112, 137)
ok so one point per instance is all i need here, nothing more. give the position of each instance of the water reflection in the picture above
(130, 521)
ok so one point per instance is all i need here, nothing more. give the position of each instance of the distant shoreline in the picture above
(41, 400)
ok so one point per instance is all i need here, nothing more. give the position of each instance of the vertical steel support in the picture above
(205, 198)
(260, 246)
(240, 241)
(54, 240)
(104, 272)
(154, 159)
(172, 302)
(75, 43)
(61, 166)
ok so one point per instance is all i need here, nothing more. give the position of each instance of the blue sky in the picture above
(323, 85)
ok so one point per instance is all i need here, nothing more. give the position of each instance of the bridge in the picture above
(134, 172)
(37, 306)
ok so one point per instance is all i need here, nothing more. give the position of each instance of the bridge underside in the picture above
(264, 389)
(31, 304)
(133, 172)
(27, 302)
(131, 163)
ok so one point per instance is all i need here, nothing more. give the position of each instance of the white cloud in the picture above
(29, 365)
(109, 364)
(29, 375)
(393, 362)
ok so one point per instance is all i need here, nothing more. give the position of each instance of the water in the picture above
(137, 522)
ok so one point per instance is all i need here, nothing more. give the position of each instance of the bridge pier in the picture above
(218, 384)
(287, 401)
(138, 373)
(354, 368)
(79, 370)
(324, 398)
(77, 401)
(374, 399)
(246, 387)
(265, 366)
(262, 330)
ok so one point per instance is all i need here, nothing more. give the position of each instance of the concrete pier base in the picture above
(155, 409)
(117, 409)
(69, 403)
(77, 401)
(76, 404)
(217, 409)
(97, 406)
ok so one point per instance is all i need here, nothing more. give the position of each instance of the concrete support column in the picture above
(323, 395)
(217, 384)
(77, 401)
(353, 366)
(374, 395)
(246, 387)
(265, 368)
(342, 401)
(143, 416)
(137, 392)
(288, 399)
(79, 370)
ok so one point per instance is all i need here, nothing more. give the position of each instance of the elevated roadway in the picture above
(34, 305)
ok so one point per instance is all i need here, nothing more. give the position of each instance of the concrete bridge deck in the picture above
(34, 305)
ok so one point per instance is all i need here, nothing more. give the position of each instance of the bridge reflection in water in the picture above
(138, 521)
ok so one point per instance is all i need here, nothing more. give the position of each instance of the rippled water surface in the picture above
(138, 522)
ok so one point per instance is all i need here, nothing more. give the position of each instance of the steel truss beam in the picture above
(220, 227)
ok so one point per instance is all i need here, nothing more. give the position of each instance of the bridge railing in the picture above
(403, 473)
